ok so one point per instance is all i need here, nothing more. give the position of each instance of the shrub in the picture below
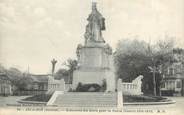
(88, 88)
(40, 98)
(141, 98)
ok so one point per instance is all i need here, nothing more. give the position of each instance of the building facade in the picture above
(5, 85)
(39, 82)
(173, 83)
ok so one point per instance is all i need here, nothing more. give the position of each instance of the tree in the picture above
(162, 59)
(62, 74)
(24, 83)
(14, 74)
(133, 58)
(130, 59)
(72, 65)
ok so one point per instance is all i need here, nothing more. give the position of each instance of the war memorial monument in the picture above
(94, 82)
(95, 66)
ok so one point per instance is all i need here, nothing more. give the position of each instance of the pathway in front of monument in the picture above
(10, 100)
(170, 108)
(167, 108)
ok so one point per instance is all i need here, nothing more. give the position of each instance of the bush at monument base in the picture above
(40, 98)
(141, 98)
(91, 87)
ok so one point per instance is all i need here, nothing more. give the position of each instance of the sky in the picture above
(32, 32)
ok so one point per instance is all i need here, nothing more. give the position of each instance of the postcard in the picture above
(92, 57)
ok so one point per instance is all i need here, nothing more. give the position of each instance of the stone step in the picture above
(92, 102)
(74, 100)
(79, 97)
(89, 94)
(87, 100)
(70, 99)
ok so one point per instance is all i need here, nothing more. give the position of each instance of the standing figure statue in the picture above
(95, 26)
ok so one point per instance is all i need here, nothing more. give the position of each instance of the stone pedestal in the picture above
(95, 65)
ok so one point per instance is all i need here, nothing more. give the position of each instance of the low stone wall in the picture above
(130, 89)
(133, 88)
(68, 87)
(55, 85)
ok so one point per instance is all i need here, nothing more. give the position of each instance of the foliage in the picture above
(24, 83)
(67, 73)
(62, 74)
(40, 98)
(134, 57)
(72, 65)
(17, 78)
(15, 75)
(88, 88)
(131, 59)
(92, 87)
(142, 98)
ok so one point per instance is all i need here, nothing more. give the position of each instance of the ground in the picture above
(179, 106)
(172, 108)
(10, 100)
(179, 102)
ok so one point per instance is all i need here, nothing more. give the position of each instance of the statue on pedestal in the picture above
(95, 26)
(95, 60)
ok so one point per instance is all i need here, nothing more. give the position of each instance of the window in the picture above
(163, 85)
(179, 68)
(171, 71)
(166, 85)
(170, 85)
(178, 84)
(35, 86)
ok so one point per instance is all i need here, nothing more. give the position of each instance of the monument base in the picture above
(94, 76)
